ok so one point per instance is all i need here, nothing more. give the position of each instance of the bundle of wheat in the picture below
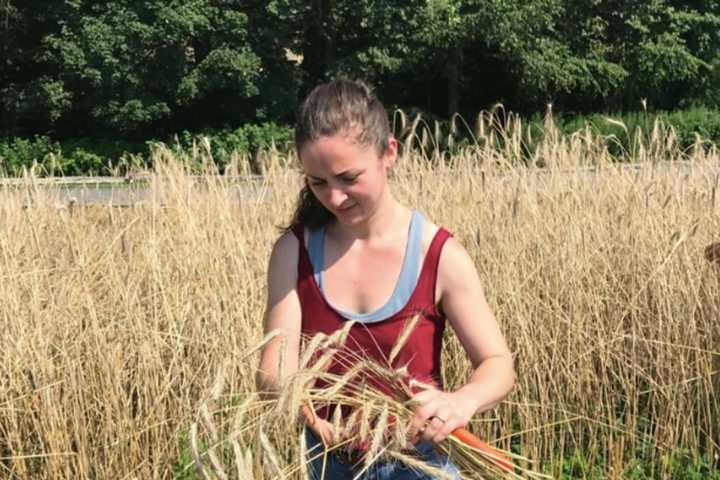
(366, 418)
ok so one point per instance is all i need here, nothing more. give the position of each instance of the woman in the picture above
(354, 252)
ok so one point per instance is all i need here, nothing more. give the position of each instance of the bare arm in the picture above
(463, 301)
(282, 313)
(466, 307)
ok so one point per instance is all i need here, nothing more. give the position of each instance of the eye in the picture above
(317, 183)
(350, 179)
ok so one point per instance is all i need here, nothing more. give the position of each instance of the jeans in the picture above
(338, 469)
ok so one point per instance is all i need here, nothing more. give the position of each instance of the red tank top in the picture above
(421, 351)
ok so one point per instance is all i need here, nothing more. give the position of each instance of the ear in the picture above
(390, 154)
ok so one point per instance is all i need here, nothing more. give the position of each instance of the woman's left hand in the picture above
(438, 414)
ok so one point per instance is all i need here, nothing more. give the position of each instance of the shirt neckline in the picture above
(404, 286)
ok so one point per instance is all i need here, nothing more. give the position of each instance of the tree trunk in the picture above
(318, 50)
(328, 37)
(453, 77)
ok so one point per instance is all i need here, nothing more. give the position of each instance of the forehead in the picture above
(334, 154)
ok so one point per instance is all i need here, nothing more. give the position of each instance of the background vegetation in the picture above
(622, 135)
(117, 321)
(135, 71)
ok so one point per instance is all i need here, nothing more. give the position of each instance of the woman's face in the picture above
(348, 178)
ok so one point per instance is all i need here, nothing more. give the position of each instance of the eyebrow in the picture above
(341, 174)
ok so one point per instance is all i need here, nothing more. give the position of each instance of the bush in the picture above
(623, 128)
(696, 120)
(248, 139)
(91, 156)
(22, 153)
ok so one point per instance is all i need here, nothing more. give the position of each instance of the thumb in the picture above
(424, 396)
(309, 415)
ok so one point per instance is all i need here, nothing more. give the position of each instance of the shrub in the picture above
(694, 121)
(248, 139)
(19, 153)
(687, 123)
(90, 156)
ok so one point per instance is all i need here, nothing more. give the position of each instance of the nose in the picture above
(337, 196)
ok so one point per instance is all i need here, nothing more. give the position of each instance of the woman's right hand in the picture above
(322, 429)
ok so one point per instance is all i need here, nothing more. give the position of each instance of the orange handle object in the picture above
(497, 458)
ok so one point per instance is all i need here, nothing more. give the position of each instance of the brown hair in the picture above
(333, 107)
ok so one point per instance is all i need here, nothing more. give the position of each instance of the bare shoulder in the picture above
(456, 270)
(284, 259)
(283, 303)
(286, 244)
(453, 254)
(429, 230)
(454, 258)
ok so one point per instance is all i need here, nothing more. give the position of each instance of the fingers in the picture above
(427, 408)
(426, 396)
(433, 429)
(308, 414)
(435, 417)
(322, 429)
(437, 429)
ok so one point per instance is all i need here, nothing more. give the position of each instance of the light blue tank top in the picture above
(403, 288)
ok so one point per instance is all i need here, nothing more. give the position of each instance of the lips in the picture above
(345, 209)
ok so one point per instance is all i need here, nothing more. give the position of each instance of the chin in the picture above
(350, 220)
(353, 217)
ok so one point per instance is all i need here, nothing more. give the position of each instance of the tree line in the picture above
(138, 69)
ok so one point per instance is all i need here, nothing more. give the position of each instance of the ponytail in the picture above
(310, 212)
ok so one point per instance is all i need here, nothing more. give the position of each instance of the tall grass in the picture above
(116, 321)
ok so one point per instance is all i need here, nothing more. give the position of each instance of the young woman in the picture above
(354, 252)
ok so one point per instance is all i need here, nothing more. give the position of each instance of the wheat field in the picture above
(116, 322)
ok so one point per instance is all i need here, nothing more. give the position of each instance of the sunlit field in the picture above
(129, 334)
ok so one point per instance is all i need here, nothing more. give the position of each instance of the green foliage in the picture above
(82, 156)
(688, 125)
(184, 469)
(692, 122)
(87, 156)
(222, 69)
(578, 465)
(22, 153)
(131, 65)
(675, 465)
(84, 68)
(436, 136)
(247, 139)
(686, 465)
(710, 88)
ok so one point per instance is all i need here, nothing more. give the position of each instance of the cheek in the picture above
(363, 190)
(376, 186)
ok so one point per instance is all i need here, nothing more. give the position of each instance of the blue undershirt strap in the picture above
(403, 288)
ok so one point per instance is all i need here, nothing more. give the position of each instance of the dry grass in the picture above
(117, 321)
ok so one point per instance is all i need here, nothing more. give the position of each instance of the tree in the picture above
(659, 50)
(29, 96)
(131, 67)
(128, 65)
